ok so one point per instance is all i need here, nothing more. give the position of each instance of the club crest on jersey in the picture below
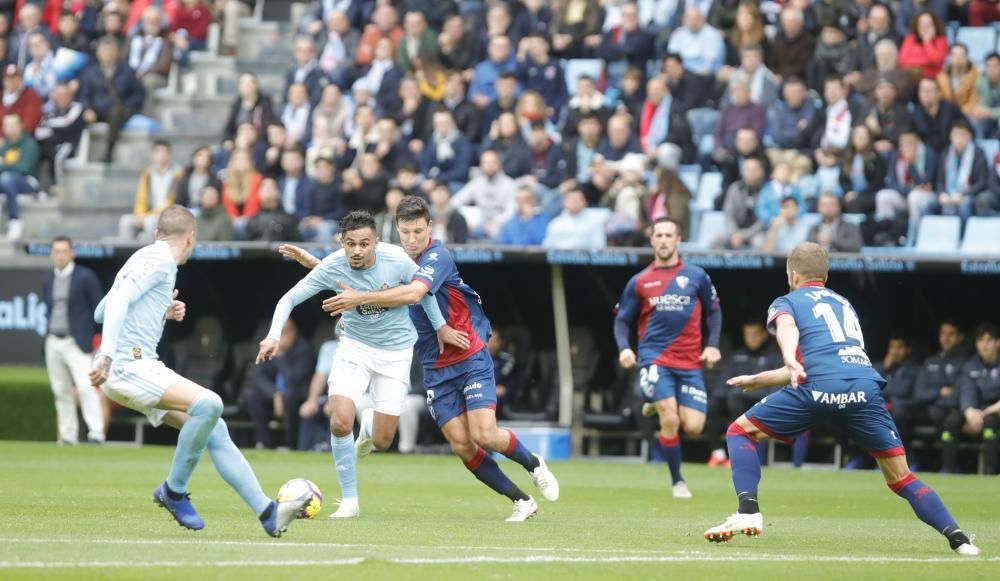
(432, 256)
(682, 281)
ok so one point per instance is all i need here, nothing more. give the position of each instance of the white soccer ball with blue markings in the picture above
(295, 488)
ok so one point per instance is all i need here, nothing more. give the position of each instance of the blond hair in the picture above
(810, 260)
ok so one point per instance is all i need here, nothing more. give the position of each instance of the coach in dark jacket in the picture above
(71, 293)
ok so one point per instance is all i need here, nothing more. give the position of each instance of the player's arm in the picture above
(625, 313)
(302, 291)
(763, 380)
(403, 295)
(300, 255)
(712, 318)
(788, 339)
(112, 312)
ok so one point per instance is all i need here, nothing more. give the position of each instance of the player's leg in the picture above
(350, 376)
(670, 439)
(390, 384)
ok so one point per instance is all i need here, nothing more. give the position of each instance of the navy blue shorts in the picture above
(467, 385)
(687, 385)
(855, 404)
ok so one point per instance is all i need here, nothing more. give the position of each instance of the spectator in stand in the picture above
(834, 56)
(669, 199)
(838, 116)
(20, 99)
(272, 223)
(740, 113)
(625, 45)
(774, 191)
(412, 113)
(763, 84)
(534, 17)
(983, 12)
(793, 124)
(631, 94)
(327, 124)
(979, 395)
(249, 106)
(408, 179)
(506, 140)
(744, 228)
(878, 28)
(467, 116)
(588, 100)
(787, 229)
(112, 27)
(527, 226)
(384, 24)
(417, 44)
(925, 47)
(246, 138)
(548, 167)
(699, 44)
(385, 221)
(987, 110)
(110, 92)
(40, 72)
(295, 189)
(747, 31)
(338, 48)
(150, 53)
(962, 178)
(59, 132)
(886, 68)
(577, 226)
(792, 47)
(279, 387)
(576, 28)
(936, 393)
(688, 91)
(958, 80)
(325, 209)
(306, 69)
(214, 225)
(363, 187)
(229, 12)
(580, 152)
(431, 78)
(538, 72)
(625, 199)
(391, 151)
(620, 140)
(500, 60)
(447, 155)
(456, 47)
(70, 36)
(900, 369)
(863, 174)
(886, 117)
(746, 146)
(296, 114)
(828, 177)
(189, 27)
(198, 175)
(832, 233)
(911, 176)
(156, 192)
(504, 366)
(382, 78)
(908, 10)
(505, 102)
(29, 21)
(241, 190)
(362, 136)
(493, 193)
(660, 121)
(449, 226)
(18, 169)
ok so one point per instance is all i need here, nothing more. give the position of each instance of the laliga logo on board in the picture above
(24, 314)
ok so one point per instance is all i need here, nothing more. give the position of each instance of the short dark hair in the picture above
(952, 322)
(61, 238)
(991, 56)
(962, 124)
(754, 323)
(899, 336)
(673, 56)
(666, 220)
(833, 79)
(986, 328)
(795, 80)
(412, 208)
(356, 220)
(175, 221)
(791, 199)
(161, 143)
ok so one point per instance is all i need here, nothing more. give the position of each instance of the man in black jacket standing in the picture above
(71, 292)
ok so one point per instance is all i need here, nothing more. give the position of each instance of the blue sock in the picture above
(762, 452)
(746, 467)
(234, 469)
(486, 470)
(203, 413)
(799, 449)
(345, 462)
(925, 502)
(672, 451)
(518, 453)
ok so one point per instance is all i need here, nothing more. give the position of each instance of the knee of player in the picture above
(484, 435)
(382, 442)
(219, 434)
(669, 420)
(340, 426)
(208, 403)
(694, 429)
(464, 448)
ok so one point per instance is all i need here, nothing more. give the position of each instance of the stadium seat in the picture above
(990, 148)
(712, 226)
(810, 220)
(690, 177)
(576, 68)
(980, 40)
(854, 218)
(709, 188)
(982, 236)
(938, 234)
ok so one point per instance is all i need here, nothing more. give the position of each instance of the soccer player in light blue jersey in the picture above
(130, 372)
(376, 345)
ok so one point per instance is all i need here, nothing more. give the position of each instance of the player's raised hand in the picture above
(100, 370)
(627, 359)
(744, 382)
(268, 350)
(449, 336)
(796, 372)
(710, 356)
(345, 300)
(178, 309)
(299, 255)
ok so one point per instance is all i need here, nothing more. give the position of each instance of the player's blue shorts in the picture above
(855, 404)
(467, 385)
(687, 385)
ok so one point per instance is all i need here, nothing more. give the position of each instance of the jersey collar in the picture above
(430, 242)
(813, 283)
(679, 264)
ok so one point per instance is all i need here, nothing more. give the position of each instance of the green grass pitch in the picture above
(86, 513)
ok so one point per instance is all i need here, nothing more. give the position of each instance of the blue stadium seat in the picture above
(982, 236)
(709, 188)
(938, 234)
(854, 218)
(811, 219)
(690, 177)
(990, 148)
(981, 41)
(576, 68)
(712, 226)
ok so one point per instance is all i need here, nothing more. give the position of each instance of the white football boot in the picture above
(364, 445)
(751, 525)
(349, 508)
(681, 490)
(523, 510)
(649, 410)
(545, 480)
(967, 550)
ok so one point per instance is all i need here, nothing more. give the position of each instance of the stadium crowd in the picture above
(570, 124)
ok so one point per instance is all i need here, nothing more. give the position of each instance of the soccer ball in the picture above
(295, 488)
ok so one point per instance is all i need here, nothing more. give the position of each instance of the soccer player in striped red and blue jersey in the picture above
(828, 376)
(460, 382)
(674, 303)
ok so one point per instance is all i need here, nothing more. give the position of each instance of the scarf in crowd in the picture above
(958, 169)
(858, 181)
(443, 148)
(144, 52)
(334, 53)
